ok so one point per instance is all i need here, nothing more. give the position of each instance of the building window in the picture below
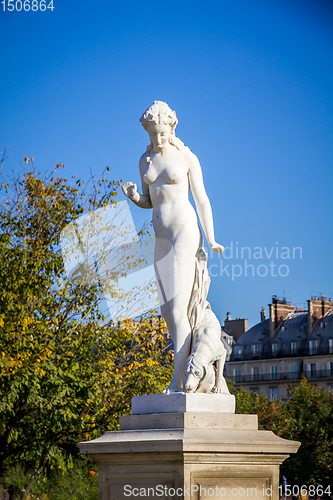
(293, 371)
(330, 346)
(255, 373)
(330, 370)
(313, 370)
(274, 372)
(275, 348)
(293, 347)
(238, 352)
(254, 389)
(273, 393)
(255, 349)
(237, 374)
(312, 347)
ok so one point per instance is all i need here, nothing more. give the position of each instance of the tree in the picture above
(310, 421)
(66, 374)
(306, 416)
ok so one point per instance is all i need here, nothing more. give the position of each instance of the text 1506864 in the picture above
(34, 5)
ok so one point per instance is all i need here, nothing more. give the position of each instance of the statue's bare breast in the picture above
(166, 169)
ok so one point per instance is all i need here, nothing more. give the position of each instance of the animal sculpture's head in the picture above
(194, 374)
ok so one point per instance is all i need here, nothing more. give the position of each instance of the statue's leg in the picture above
(164, 264)
(220, 383)
(175, 274)
(181, 340)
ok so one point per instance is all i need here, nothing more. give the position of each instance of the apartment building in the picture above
(279, 350)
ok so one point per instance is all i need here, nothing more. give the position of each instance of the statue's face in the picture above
(159, 135)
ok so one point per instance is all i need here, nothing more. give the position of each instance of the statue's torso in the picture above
(167, 178)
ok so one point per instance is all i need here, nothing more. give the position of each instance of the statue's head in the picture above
(159, 113)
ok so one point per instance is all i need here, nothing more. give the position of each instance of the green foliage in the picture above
(65, 375)
(79, 483)
(306, 416)
(310, 421)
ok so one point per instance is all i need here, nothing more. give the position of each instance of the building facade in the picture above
(282, 349)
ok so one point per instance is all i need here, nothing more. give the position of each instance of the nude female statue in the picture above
(168, 170)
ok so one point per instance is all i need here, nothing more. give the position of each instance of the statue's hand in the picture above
(216, 247)
(130, 190)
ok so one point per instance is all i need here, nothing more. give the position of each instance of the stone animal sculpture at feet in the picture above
(207, 348)
(169, 170)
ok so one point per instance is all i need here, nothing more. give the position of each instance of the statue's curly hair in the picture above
(159, 112)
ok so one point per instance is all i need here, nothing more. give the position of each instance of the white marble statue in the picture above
(207, 348)
(168, 170)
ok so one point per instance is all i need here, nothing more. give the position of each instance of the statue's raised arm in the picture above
(141, 200)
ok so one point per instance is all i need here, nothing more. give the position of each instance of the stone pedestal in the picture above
(183, 402)
(189, 454)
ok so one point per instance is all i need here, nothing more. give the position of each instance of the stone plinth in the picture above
(182, 402)
(189, 455)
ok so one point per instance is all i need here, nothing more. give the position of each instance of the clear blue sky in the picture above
(252, 84)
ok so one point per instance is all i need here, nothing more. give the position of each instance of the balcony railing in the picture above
(284, 353)
(287, 376)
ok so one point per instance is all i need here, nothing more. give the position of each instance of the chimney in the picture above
(262, 315)
(236, 327)
(278, 311)
(316, 309)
